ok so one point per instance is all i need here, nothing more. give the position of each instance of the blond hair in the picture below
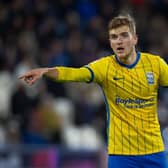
(123, 20)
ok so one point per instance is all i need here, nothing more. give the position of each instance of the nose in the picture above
(119, 39)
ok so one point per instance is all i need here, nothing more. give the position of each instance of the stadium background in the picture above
(54, 125)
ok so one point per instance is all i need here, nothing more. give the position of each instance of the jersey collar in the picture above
(131, 65)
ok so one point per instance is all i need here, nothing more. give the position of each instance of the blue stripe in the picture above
(108, 115)
(92, 74)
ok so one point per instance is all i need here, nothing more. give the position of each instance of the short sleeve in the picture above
(98, 69)
(163, 78)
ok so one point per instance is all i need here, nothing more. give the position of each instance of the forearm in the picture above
(51, 73)
(66, 74)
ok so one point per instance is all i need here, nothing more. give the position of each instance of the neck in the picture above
(130, 58)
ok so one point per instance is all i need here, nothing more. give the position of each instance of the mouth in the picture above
(120, 49)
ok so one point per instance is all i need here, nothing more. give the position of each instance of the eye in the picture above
(113, 36)
(125, 34)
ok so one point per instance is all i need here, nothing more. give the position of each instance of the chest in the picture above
(139, 81)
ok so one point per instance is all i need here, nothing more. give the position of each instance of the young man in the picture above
(130, 81)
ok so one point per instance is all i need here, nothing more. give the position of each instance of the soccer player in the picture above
(130, 81)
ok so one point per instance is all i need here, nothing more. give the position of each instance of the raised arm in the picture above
(32, 76)
(60, 74)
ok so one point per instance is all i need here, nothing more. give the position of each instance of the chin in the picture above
(121, 55)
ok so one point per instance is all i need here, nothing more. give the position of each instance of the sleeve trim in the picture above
(91, 72)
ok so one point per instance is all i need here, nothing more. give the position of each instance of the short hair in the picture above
(122, 20)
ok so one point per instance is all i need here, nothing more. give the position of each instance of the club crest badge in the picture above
(150, 78)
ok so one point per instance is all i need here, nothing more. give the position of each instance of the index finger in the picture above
(21, 77)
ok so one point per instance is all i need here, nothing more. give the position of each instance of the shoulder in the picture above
(104, 60)
(145, 55)
(150, 58)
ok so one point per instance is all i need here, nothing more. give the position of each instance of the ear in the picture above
(135, 37)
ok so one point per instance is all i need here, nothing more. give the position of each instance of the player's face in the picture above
(122, 41)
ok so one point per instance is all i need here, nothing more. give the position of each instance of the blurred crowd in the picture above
(47, 33)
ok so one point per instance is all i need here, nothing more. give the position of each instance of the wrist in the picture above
(50, 72)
